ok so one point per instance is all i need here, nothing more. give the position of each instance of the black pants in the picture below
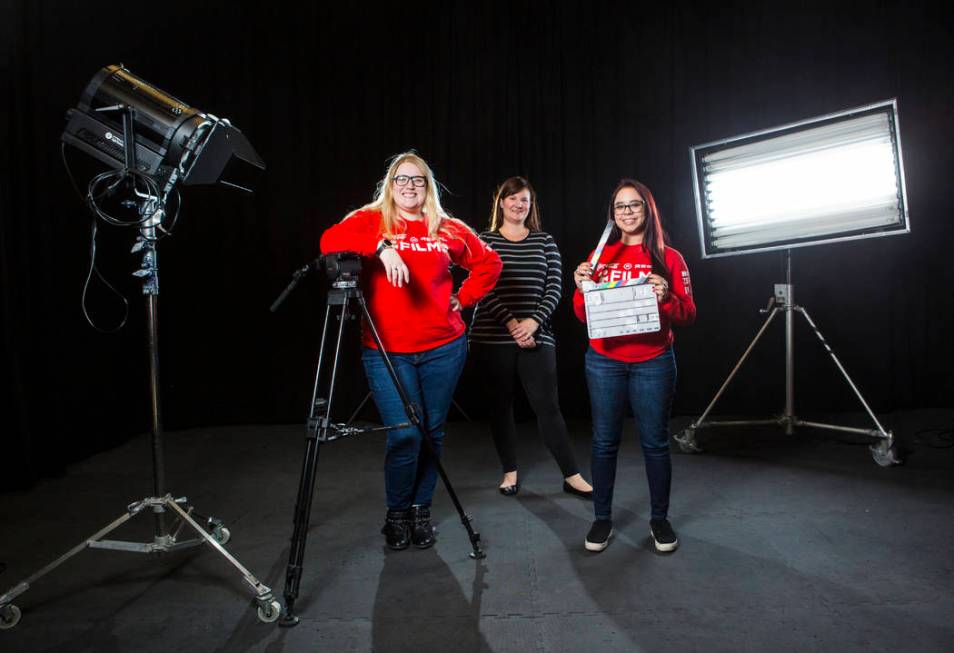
(501, 365)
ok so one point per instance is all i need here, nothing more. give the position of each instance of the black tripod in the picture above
(344, 269)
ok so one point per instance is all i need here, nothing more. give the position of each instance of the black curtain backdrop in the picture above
(572, 95)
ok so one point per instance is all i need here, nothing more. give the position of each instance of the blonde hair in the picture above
(391, 221)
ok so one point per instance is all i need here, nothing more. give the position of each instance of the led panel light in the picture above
(826, 179)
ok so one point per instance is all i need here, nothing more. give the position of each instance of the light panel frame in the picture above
(783, 133)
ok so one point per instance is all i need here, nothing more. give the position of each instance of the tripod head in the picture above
(342, 268)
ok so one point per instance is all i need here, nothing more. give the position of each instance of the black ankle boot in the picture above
(422, 532)
(397, 529)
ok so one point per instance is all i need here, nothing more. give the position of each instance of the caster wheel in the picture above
(686, 441)
(269, 612)
(222, 535)
(884, 455)
(9, 616)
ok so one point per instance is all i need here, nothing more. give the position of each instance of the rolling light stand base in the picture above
(883, 452)
(214, 534)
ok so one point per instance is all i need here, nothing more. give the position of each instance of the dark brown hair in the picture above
(654, 236)
(510, 187)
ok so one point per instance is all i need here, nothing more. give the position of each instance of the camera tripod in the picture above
(343, 294)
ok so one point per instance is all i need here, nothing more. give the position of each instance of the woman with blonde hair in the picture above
(411, 242)
(512, 336)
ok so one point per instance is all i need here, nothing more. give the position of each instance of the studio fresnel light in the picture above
(173, 141)
(151, 143)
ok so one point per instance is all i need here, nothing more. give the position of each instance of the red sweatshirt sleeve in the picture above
(680, 307)
(475, 256)
(578, 307)
(360, 233)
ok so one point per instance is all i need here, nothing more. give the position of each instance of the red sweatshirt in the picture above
(620, 262)
(417, 316)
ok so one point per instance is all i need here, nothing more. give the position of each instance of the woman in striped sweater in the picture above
(512, 337)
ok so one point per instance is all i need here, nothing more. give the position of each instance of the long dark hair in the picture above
(654, 236)
(510, 187)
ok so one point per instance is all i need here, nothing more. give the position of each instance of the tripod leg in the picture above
(465, 519)
(357, 411)
(9, 613)
(296, 553)
(686, 439)
(268, 608)
(884, 452)
(461, 410)
(318, 425)
(415, 419)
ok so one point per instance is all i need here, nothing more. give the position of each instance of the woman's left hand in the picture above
(455, 303)
(660, 287)
(524, 329)
(527, 343)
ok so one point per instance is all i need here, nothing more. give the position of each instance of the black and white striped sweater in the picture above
(529, 286)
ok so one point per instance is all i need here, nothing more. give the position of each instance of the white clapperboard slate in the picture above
(618, 308)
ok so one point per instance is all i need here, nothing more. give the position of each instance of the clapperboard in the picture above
(619, 308)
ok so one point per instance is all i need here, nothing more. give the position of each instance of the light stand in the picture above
(883, 452)
(151, 208)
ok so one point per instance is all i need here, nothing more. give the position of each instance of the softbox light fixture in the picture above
(832, 178)
(173, 141)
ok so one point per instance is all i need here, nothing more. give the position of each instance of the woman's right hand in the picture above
(394, 267)
(523, 339)
(583, 272)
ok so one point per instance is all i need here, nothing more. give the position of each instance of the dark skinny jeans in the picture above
(501, 365)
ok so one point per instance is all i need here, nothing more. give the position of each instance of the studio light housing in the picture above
(826, 179)
(173, 141)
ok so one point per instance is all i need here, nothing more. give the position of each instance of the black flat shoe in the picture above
(510, 490)
(569, 489)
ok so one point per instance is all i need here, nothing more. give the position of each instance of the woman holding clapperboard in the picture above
(639, 368)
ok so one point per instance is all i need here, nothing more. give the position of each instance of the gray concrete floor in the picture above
(787, 544)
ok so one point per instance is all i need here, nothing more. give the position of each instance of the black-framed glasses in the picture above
(418, 181)
(630, 207)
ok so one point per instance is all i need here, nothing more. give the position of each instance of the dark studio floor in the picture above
(787, 544)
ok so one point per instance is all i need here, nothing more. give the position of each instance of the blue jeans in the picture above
(429, 378)
(649, 387)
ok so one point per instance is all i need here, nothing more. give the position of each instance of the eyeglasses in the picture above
(417, 181)
(632, 207)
